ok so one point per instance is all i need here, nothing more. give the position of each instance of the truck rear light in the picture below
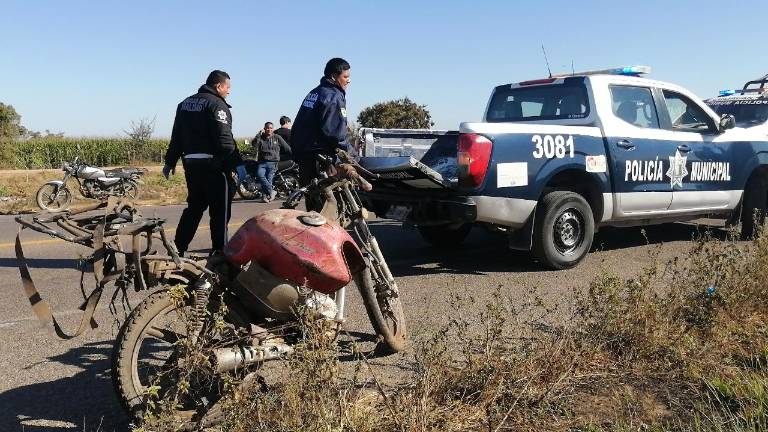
(473, 158)
(537, 82)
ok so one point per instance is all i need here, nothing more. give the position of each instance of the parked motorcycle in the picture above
(237, 311)
(93, 182)
(285, 182)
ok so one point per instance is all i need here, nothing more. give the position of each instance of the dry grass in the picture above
(18, 189)
(682, 347)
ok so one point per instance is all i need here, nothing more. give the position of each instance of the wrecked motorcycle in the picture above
(238, 310)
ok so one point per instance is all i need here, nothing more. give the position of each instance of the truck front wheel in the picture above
(445, 236)
(563, 230)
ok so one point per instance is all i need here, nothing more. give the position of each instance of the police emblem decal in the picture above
(677, 170)
(221, 116)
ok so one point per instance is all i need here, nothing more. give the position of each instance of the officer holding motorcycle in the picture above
(320, 126)
(202, 138)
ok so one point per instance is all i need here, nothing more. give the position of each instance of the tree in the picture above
(396, 114)
(140, 132)
(10, 122)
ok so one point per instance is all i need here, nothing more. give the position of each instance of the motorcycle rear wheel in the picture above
(385, 309)
(48, 199)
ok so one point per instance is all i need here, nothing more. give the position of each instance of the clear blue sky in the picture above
(89, 68)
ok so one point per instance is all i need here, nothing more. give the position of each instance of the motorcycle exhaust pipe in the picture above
(236, 357)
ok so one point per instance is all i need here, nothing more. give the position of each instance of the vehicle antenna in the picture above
(546, 60)
(573, 70)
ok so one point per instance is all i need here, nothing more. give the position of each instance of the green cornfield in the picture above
(50, 152)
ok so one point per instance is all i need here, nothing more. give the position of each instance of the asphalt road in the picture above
(48, 384)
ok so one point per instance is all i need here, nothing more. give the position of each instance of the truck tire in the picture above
(563, 230)
(753, 206)
(445, 236)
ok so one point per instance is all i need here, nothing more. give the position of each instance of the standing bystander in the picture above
(269, 147)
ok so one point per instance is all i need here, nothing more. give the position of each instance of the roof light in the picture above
(727, 92)
(627, 70)
(634, 70)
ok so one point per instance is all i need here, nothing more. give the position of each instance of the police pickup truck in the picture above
(557, 158)
(749, 105)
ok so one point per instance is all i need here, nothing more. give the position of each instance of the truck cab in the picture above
(557, 158)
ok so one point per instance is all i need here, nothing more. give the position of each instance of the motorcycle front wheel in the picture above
(248, 188)
(148, 367)
(384, 307)
(289, 185)
(53, 196)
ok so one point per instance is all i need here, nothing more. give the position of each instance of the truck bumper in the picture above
(509, 212)
(423, 209)
(427, 209)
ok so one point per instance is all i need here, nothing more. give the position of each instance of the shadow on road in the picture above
(82, 402)
(49, 263)
(481, 253)
(484, 252)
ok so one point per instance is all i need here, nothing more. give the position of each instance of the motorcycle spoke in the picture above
(164, 335)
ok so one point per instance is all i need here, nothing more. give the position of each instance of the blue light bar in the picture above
(633, 70)
(628, 71)
(727, 92)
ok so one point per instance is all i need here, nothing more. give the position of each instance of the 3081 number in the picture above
(551, 147)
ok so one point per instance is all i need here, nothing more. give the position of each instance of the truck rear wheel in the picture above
(445, 236)
(753, 206)
(563, 230)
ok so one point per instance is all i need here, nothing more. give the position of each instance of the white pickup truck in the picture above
(558, 157)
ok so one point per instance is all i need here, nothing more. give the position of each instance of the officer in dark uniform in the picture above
(202, 138)
(321, 123)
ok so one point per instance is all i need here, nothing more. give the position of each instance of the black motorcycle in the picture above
(93, 182)
(285, 182)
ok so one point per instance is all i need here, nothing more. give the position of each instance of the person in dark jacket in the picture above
(284, 131)
(202, 139)
(269, 146)
(320, 126)
(286, 158)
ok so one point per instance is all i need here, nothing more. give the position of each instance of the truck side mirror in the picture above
(727, 121)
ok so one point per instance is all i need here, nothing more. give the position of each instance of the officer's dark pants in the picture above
(207, 188)
(308, 170)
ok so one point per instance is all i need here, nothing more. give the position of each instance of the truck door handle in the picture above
(685, 148)
(625, 144)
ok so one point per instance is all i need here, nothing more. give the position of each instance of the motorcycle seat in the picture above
(285, 165)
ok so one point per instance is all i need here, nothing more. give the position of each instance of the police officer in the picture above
(320, 126)
(202, 138)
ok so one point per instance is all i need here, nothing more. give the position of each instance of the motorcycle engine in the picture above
(92, 189)
(270, 296)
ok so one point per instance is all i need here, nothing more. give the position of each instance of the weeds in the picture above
(681, 347)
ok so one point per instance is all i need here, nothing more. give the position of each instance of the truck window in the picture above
(685, 114)
(545, 102)
(634, 105)
(748, 112)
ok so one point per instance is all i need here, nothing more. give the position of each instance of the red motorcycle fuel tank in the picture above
(298, 246)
